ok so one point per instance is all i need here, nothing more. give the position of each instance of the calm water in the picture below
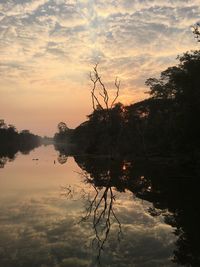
(55, 212)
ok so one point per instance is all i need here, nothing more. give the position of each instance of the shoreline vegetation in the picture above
(13, 141)
(165, 125)
(150, 148)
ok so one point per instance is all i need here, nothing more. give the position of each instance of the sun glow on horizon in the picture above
(48, 48)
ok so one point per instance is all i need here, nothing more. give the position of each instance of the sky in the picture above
(49, 47)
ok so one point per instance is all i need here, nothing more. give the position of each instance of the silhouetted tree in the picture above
(181, 85)
(62, 127)
(103, 92)
(12, 141)
(64, 134)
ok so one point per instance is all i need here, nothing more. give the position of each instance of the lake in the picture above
(63, 211)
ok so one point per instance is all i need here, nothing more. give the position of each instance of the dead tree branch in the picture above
(117, 85)
(96, 80)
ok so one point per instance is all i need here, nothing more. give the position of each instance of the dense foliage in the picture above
(164, 124)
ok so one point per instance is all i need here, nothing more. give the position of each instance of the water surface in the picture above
(49, 215)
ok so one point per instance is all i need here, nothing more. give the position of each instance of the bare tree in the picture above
(103, 92)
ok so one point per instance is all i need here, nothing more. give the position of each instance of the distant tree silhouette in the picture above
(12, 141)
(64, 133)
(62, 127)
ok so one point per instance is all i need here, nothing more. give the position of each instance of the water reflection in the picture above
(8, 153)
(99, 208)
(4, 158)
(173, 190)
(151, 208)
(62, 158)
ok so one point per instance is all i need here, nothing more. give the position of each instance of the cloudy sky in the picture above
(48, 47)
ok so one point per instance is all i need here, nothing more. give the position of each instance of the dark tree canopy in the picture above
(166, 123)
(12, 141)
(178, 81)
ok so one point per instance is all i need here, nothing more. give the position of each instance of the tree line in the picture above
(166, 123)
(12, 141)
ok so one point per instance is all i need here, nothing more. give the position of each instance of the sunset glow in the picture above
(48, 47)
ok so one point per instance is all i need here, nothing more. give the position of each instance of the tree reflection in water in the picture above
(99, 208)
(171, 188)
(62, 159)
(103, 215)
(8, 154)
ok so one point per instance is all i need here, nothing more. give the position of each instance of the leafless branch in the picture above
(104, 90)
(94, 98)
(117, 85)
(96, 80)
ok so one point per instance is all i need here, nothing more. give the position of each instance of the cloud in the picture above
(60, 40)
(21, 7)
(44, 231)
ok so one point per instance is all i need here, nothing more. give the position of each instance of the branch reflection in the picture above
(99, 209)
(171, 187)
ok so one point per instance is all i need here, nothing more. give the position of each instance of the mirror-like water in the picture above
(57, 211)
